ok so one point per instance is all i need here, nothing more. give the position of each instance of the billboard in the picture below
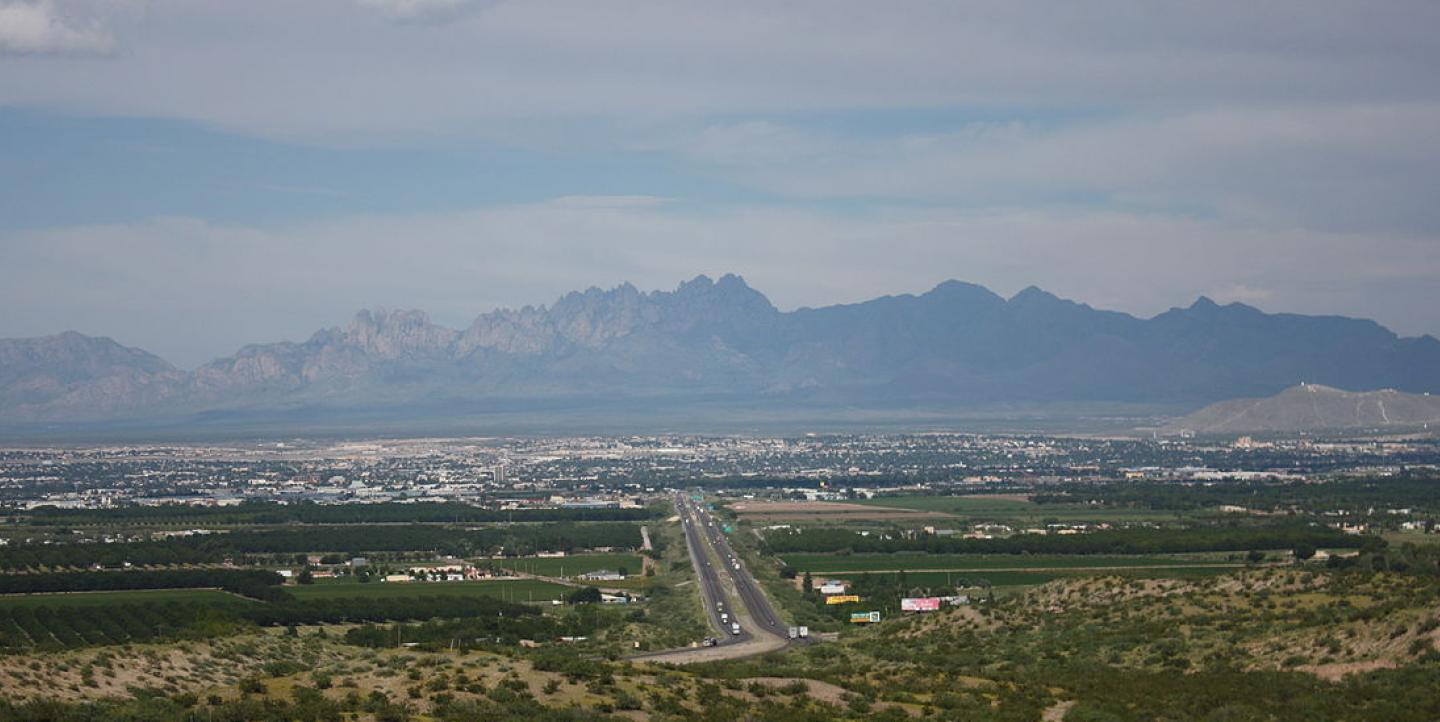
(864, 617)
(919, 604)
(842, 599)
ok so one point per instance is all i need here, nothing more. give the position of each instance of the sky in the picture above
(189, 176)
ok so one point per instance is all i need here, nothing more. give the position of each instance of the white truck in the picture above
(735, 628)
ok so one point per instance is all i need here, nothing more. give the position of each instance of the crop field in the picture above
(516, 590)
(828, 563)
(944, 581)
(960, 505)
(129, 596)
(1012, 507)
(939, 581)
(826, 511)
(569, 566)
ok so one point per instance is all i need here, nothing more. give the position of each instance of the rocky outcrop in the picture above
(1312, 407)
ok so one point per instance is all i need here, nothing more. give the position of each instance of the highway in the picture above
(712, 592)
(761, 628)
(755, 601)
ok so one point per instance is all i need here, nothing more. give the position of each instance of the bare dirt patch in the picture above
(822, 691)
(1335, 671)
(1056, 712)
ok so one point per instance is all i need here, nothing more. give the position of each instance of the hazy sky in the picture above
(192, 175)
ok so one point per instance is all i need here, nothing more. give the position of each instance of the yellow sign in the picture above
(841, 599)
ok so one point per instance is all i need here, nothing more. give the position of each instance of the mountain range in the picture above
(956, 346)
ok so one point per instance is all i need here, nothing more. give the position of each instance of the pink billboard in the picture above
(919, 604)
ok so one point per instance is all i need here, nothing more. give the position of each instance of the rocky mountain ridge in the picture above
(954, 346)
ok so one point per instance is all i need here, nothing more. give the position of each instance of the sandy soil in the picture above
(1056, 712)
(1335, 671)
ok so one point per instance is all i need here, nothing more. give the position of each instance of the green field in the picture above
(939, 581)
(825, 563)
(570, 566)
(518, 590)
(1005, 509)
(961, 505)
(128, 596)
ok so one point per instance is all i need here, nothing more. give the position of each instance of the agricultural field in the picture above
(212, 597)
(510, 590)
(944, 582)
(574, 565)
(1017, 508)
(901, 561)
(825, 511)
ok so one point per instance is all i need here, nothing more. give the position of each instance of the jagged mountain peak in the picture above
(1033, 293)
(954, 345)
(389, 318)
(953, 290)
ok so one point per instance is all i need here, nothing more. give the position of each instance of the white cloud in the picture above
(421, 10)
(1350, 166)
(318, 69)
(40, 28)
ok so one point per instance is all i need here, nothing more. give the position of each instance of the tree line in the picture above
(1117, 541)
(1417, 489)
(254, 583)
(58, 627)
(352, 540)
(311, 513)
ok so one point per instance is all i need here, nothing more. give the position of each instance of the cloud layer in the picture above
(1127, 154)
(37, 27)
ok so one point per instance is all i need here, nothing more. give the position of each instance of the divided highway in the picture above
(760, 627)
(754, 600)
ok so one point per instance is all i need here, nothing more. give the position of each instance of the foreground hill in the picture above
(955, 347)
(1312, 407)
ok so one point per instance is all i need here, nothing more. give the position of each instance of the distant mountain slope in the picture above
(956, 346)
(1312, 407)
(73, 375)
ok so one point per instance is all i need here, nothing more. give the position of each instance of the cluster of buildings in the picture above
(616, 471)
